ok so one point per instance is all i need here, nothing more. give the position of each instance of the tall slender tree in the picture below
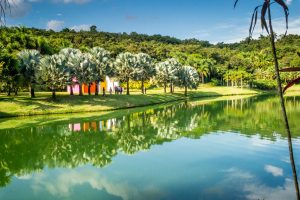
(29, 61)
(266, 21)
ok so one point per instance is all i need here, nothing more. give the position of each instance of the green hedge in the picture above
(265, 84)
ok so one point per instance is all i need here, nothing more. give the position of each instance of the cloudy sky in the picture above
(213, 20)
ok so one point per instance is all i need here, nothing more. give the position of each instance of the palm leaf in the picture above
(253, 21)
(290, 84)
(291, 69)
(235, 3)
(263, 16)
(286, 12)
(4, 6)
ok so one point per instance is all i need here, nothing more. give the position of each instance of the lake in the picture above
(229, 149)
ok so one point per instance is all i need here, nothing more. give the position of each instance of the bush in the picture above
(136, 84)
(214, 82)
(265, 84)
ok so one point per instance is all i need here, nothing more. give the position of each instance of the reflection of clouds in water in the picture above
(275, 171)
(62, 185)
(254, 189)
(25, 177)
(235, 173)
(260, 191)
(257, 141)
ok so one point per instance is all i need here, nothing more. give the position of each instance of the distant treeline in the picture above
(247, 63)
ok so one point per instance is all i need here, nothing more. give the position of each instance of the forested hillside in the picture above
(246, 63)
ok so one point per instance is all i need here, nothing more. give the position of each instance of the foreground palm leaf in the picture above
(264, 8)
(293, 82)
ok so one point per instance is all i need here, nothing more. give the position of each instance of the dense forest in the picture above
(247, 63)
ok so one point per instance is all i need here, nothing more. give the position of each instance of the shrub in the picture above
(265, 84)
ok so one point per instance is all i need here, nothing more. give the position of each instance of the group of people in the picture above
(118, 90)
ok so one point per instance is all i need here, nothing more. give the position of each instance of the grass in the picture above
(22, 105)
(23, 122)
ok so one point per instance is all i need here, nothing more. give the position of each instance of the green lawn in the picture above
(22, 105)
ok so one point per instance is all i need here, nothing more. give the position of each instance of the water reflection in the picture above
(27, 153)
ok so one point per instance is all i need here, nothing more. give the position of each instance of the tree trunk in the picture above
(171, 87)
(185, 91)
(165, 87)
(143, 87)
(242, 82)
(31, 91)
(97, 88)
(128, 93)
(89, 89)
(282, 103)
(202, 76)
(9, 91)
(16, 91)
(80, 90)
(53, 93)
(71, 90)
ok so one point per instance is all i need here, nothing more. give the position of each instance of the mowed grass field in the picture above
(43, 104)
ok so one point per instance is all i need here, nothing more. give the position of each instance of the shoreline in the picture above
(22, 106)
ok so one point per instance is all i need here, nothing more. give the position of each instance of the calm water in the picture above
(235, 149)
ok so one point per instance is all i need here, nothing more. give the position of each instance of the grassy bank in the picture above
(22, 105)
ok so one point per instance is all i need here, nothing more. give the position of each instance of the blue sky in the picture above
(213, 20)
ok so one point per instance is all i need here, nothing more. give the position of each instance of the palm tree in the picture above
(70, 55)
(103, 61)
(189, 78)
(125, 67)
(53, 72)
(266, 9)
(145, 68)
(167, 72)
(174, 71)
(29, 61)
(84, 67)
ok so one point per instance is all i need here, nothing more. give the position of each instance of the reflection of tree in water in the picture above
(23, 151)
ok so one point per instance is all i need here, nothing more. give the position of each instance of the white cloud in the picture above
(288, 2)
(275, 171)
(55, 25)
(82, 27)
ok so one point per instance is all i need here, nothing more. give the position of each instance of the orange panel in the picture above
(85, 88)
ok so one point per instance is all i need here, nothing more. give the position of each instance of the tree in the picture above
(103, 64)
(10, 72)
(71, 57)
(266, 9)
(84, 66)
(93, 29)
(29, 61)
(167, 72)
(125, 67)
(189, 78)
(145, 68)
(53, 72)
(203, 65)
